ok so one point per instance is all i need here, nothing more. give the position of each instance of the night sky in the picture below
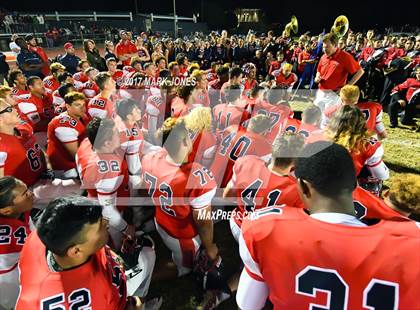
(313, 15)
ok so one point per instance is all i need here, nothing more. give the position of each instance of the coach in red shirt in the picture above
(333, 70)
(125, 49)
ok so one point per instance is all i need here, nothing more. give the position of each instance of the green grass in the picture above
(402, 155)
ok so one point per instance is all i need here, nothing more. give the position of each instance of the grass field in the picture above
(402, 155)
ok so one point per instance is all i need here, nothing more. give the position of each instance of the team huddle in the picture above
(91, 162)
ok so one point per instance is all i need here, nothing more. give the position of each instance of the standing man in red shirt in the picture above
(33, 47)
(125, 49)
(333, 70)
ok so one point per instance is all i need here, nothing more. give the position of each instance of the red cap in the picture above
(68, 45)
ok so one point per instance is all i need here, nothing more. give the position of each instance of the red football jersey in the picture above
(370, 206)
(225, 115)
(204, 147)
(17, 92)
(332, 266)
(200, 98)
(13, 236)
(176, 191)
(258, 187)
(64, 129)
(59, 104)
(236, 143)
(296, 126)
(79, 79)
(371, 156)
(118, 77)
(103, 174)
(36, 111)
(51, 83)
(248, 86)
(21, 157)
(178, 107)
(89, 89)
(155, 112)
(372, 112)
(101, 107)
(131, 142)
(278, 114)
(100, 283)
(282, 80)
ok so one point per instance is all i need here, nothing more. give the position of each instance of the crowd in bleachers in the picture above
(155, 133)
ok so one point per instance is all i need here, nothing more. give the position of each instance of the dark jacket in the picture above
(4, 66)
(70, 62)
(96, 61)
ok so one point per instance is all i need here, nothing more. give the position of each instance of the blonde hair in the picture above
(55, 66)
(348, 128)
(172, 133)
(4, 90)
(198, 74)
(350, 93)
(287, 66)
(198, 119)
(405, 192)
(73, 96)
(193, 67)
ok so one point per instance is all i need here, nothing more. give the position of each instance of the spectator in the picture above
(55, 35)
(69, 59)
(40, 19)
(4, 68)
(49, 38)
(110, 51)
(29, 62)
(142, 51)
(408, 102)
(333, 70)
(92, 55)
(13, 46)
(125, 49)
(33, 47)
